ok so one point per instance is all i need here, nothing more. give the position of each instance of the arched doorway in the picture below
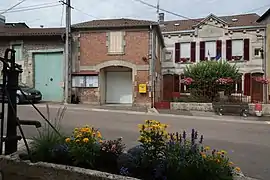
(256, 87)
(116, 85)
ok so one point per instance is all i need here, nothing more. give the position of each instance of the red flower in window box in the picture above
(187, 81)
(224, 80)
(261, 80)
(175, 94)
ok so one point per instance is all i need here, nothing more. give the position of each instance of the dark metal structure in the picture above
(10, 73)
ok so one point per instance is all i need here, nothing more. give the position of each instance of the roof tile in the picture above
(242, 20)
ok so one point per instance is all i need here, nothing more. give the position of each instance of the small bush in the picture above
(110, 151)
(47, 138)
(84, 146)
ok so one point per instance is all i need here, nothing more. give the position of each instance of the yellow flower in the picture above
(86, 140)
(223, 152)
(237, 169)
(77, 140)
(99, 135)
(218, 161)
(100, 141)
(76, 129)
(231, 163)
(207, 148)
(203, 156)
(67, 140)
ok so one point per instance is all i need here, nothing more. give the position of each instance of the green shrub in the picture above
(205, 78)
(84, 146)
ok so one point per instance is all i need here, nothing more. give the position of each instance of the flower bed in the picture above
(160, 155)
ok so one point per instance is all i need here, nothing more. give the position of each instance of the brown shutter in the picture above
(247, 79)
(219, 49)
(202, 50)
(229, 50)
(246, 49)
(193, 51)
(177, 52)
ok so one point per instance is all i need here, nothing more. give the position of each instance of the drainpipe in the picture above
(151, 66)
(265, 64)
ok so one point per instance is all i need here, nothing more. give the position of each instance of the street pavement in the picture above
(246, 141)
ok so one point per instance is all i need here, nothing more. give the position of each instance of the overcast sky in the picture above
(85, 10)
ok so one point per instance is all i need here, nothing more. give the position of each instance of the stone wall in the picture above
(13, 169)
(208, 107)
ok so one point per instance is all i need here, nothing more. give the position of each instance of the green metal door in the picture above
(49, 75)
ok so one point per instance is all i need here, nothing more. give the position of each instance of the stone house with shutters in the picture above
(237, 39)
(40, 53)
(114, 57)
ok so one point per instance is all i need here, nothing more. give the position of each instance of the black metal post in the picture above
(11, 140)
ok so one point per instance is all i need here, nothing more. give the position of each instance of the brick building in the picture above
(113, 57)
(40, 53)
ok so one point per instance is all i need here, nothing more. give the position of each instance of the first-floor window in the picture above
(85, 81)
(237, 49)
(210, 50)
(184, 52)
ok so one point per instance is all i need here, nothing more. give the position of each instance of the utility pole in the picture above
(158, 11)
(68, 59)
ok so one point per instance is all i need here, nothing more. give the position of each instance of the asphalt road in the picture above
(247, 142)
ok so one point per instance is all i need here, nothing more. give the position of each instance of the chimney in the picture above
(2, 19)
(161, 17)
(41, 26)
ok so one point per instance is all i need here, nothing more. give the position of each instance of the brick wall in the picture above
(93, 51)
(30, 45)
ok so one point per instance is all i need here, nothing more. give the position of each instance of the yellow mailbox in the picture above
(142, 88)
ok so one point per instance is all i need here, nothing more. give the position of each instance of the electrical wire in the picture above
(35, 8)
(256, 9)
(85, 13)
(35, 5)
(13, 7)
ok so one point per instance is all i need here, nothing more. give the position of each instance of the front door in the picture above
(49, 75)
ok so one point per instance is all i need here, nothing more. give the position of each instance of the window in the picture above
(185, 52)
(210, 50)
(257, 52)
(18, 54)
(237, 49)
(168, 55)
(85, 81)
(115, 42)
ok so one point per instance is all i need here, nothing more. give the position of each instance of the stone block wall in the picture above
(209, 107)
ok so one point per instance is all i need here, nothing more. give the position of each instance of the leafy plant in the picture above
(84, 146)
(205, 79)
(110, 151)
(48, 138)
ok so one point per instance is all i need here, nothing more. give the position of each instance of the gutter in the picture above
(151, 66)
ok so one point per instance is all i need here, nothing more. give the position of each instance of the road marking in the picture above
(267, 122)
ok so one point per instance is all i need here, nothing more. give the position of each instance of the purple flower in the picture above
(124, 171)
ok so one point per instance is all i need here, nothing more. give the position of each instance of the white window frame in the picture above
(210, 46)
(115, 38)
(185, 51)
(85, 81)
(20, 50)
(259, 55)
(238, 51)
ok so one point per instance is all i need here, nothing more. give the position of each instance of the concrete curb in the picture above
(220, 119)
(152, 110)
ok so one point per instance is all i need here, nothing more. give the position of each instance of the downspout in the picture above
(151, 66)
(265, 69)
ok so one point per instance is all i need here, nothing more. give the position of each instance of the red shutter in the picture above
(219, 49)
(202, 50)
(246, 49)
(247, 80)
(182, 90)
(229, 50)
(177, 52)
(193, 51)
